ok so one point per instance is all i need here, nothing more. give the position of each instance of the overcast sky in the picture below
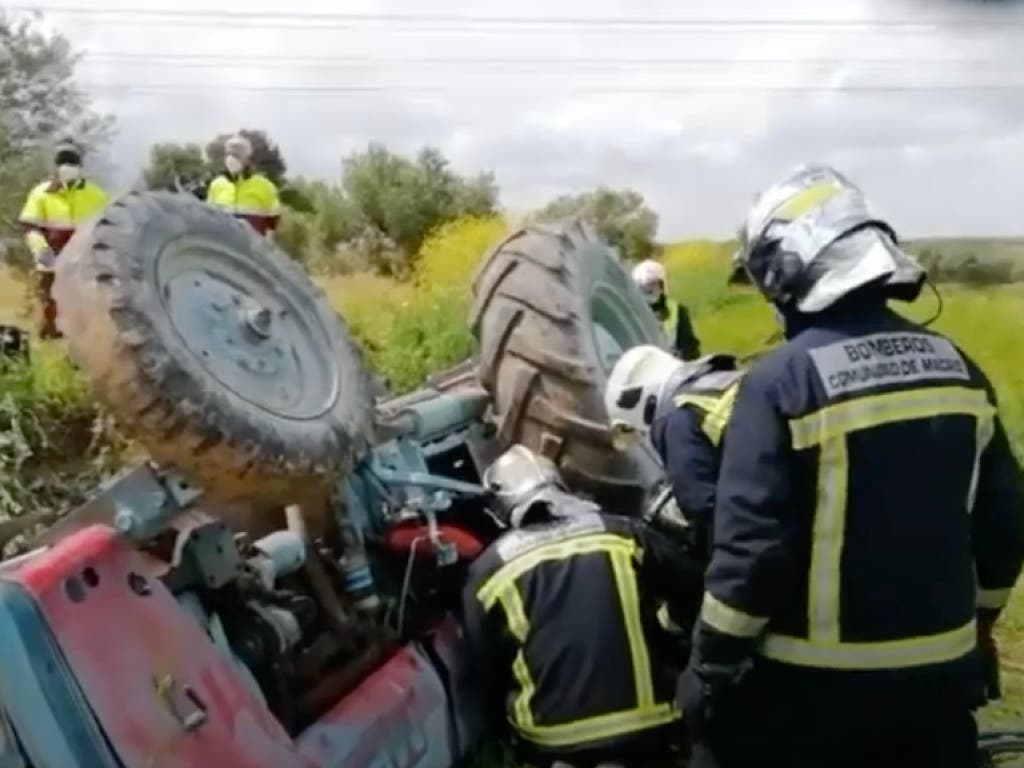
(714, 113)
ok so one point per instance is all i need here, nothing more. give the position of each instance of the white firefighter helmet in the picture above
(813, 238)
(638, 382)
(651, 279)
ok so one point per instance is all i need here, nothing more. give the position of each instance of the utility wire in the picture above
(511, 20)
(487, 88)
(357, 62)
(278, 19)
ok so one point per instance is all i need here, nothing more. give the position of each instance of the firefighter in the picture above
(243, 191)
(652, 280)
(868, 522)
(683, 407)
(51, 213)
(561, 623)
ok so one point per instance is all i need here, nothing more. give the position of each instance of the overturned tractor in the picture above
(274, 587)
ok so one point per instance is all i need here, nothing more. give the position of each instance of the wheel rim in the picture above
(615, 325)
(258, 337)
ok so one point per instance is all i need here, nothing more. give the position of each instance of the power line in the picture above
(357, 90)
(493, 19)
(257, 18)
(317, 62)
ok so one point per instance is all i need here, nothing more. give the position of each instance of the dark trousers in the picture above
(771, 723)
(46, 307)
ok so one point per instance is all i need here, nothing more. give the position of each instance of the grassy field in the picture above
(409, 329)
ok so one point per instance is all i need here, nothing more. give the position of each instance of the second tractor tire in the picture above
(553, 309)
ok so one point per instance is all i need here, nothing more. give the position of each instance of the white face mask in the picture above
(69, 173)
(651, 291)
(233, 164)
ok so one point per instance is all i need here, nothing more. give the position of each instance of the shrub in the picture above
(410, 329)
(451, 252)
(56, 444)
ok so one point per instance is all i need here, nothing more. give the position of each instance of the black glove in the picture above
(703, 693)
(989, 657)
(701, 757)
(692, 699)
(692, 695)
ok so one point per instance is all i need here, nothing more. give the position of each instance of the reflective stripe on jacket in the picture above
(713, 405)
(52, 211)
(688, 438)
(865, 481)
(252, 197)
(559, 618)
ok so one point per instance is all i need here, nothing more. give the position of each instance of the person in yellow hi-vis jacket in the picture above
(243, 191)
(53, 210)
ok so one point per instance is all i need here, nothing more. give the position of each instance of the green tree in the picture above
(405, 198)
(333, 216)
(380, 212)
(621, 217)
(169, 161)
(320, 220)
(39, 104)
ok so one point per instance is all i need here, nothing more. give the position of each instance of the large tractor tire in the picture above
(213, 349)
(553, 310)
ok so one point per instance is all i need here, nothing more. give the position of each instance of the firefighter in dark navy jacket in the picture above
(561, 621)
(683, 407)
(869, 518)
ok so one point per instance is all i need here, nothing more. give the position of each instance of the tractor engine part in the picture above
(278, 554)
(139, 503)
(268, 632)
(359, 582)
(214, 628)
(354, 566)
(319, 579)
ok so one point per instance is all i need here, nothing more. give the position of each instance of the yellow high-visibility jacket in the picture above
(53, 210)
(249, 196)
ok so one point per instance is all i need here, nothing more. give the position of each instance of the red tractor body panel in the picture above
(164, 696)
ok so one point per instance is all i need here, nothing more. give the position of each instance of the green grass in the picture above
(13, 295)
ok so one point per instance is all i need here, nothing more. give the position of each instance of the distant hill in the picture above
(969, 260)
(976, 261)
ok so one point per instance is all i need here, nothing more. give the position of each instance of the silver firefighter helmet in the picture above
(520, 479)
(813, 238)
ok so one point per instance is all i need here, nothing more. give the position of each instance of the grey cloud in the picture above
(699, 158)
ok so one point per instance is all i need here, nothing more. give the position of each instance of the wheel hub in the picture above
(258, 319)
(250, 334)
